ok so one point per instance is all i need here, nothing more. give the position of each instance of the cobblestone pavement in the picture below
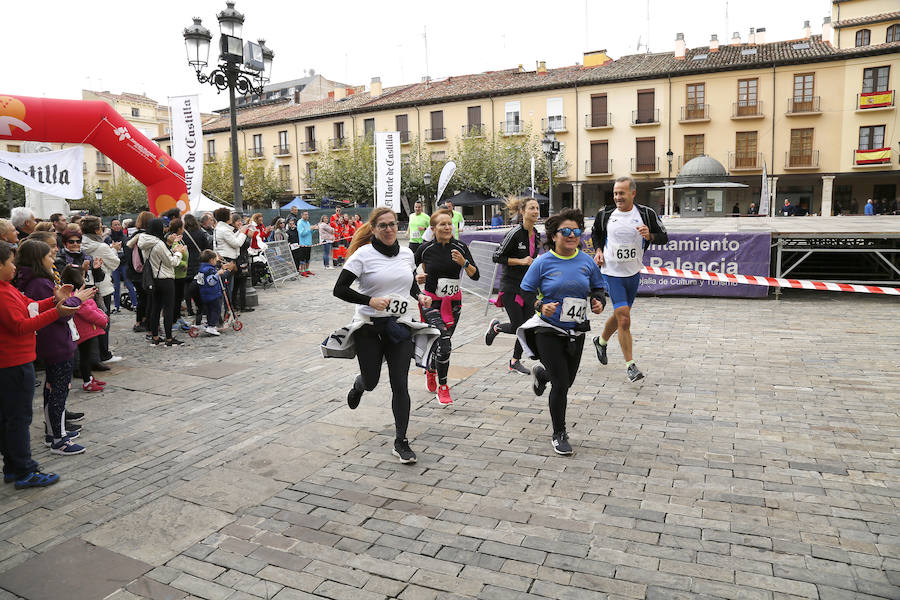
(759, 459)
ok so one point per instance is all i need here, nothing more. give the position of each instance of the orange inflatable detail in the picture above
(95, 122)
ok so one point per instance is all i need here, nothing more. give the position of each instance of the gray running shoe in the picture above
(491, 332)
(518, 367)
(601, 351)
(561, 444)
(404, 452)
(538, 383)
(634, 374)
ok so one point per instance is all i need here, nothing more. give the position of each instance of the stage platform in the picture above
(882, 225)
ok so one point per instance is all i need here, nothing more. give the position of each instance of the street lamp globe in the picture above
(231, 22)
(547, 142)
(427, 178)
(98, 193)
(268, 55)
(196, 41)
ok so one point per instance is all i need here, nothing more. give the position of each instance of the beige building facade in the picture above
(821, 118)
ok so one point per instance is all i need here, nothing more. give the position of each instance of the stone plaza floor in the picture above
(760, 458)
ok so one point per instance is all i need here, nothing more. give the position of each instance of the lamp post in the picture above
(240, 64)
(98, 193)
(426, 178)
(550, 146)
(670, 193)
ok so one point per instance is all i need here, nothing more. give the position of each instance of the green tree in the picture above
(347, 173)
(414, 164)
(261, 184)
(10, 190)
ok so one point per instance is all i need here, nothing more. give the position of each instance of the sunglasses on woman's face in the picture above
(73, 241)
(568, 231)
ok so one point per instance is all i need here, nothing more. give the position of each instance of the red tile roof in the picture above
(883, 17)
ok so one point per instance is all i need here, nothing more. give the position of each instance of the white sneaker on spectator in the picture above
(112, 359)
(211, 330)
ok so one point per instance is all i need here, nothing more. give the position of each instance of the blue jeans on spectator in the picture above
(120, 276)
(17, 384)
(326, 253)
(213, 309)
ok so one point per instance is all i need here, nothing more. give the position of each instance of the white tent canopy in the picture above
(205, 204)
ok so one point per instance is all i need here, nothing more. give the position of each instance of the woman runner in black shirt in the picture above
(443, 260)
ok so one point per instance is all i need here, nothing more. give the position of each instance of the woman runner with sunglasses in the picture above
(382, 328)
(443, 259)
(568, 283)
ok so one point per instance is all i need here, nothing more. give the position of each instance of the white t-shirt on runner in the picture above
(623, 255)
(378, 275)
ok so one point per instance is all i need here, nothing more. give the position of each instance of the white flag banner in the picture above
(532, 177)
(59, 173)
(187, 142)
(387, 169)
(764, 194)
(446, 174)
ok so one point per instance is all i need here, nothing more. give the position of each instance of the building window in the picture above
(437, 126)
(284, 175)
(599, 157)
(135, 112)
(283, 140)
(339, 130)
(513, 113)
(646, 106)
(473, 121)
(876, 79)
(13, 148)
(211, 147)
(369, 130)
(402, 124)
(439, 156)
(257, 145)
(693, 147)
(747, 97)
(871, 138)
(893, 34)
(745, 149)
(555, 121)
(696, 98)
(804, 87)
(310, 173)
(599, 112)
(646, 155)
(801, 152)
(863, 36)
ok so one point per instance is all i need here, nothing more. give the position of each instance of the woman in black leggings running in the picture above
(443, 260)
(518, 250)
(382, 327)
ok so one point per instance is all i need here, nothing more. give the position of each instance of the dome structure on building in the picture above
(702, 169)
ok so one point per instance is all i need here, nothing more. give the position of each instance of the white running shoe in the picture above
(113, 359)
(211, 330)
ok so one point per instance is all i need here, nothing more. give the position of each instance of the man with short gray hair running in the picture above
(620, 236)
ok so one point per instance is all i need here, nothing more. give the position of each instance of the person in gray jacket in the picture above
(161, 262)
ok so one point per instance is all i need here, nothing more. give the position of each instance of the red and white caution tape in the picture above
(772, 281)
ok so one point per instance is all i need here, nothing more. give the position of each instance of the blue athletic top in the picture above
(304, 232)
(558, 278)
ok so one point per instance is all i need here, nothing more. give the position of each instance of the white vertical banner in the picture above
(387, 169)
(446, 174)
(532, 177)
(187, 143)
(764, 194)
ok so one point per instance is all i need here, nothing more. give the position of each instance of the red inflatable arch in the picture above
(95, 122)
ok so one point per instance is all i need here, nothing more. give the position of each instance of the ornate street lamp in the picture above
(243, 67)
(550, 147)
(98, 193)
(426, 179)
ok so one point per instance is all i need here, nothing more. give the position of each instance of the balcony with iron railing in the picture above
(598, 121)
(338, 143)
(804, 105)
(308, 147)
(874, 101)
(694, 113)
(642, 118)
(511, 128)
(598, 167)
(745, 161)
(104, 167)
(404, 136)
(473, 130)
(747, 109)
(555, 123)
(436, 134)
(871, 158)
(281, 150)
(256, 153)
(645, 166)
(209, 157)
(801, 160)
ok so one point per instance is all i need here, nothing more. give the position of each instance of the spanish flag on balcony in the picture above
(876, 99)
(873, 157)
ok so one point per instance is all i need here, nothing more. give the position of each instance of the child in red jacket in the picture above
(90, 322)
(20, 317)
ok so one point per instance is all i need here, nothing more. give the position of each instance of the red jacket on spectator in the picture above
(17, 327)
(90, 321)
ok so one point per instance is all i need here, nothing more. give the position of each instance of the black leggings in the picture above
(143, 302)
(192, 292)
(440, 358)
(517, 315)
(86, 350)
(560, 357)
(179, 296)
(373, 347)
(162, 300)
(239, 292)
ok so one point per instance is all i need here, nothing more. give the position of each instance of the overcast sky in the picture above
(57, 47)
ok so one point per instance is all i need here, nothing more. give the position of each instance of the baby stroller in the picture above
(259, 271)
(230, 317)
